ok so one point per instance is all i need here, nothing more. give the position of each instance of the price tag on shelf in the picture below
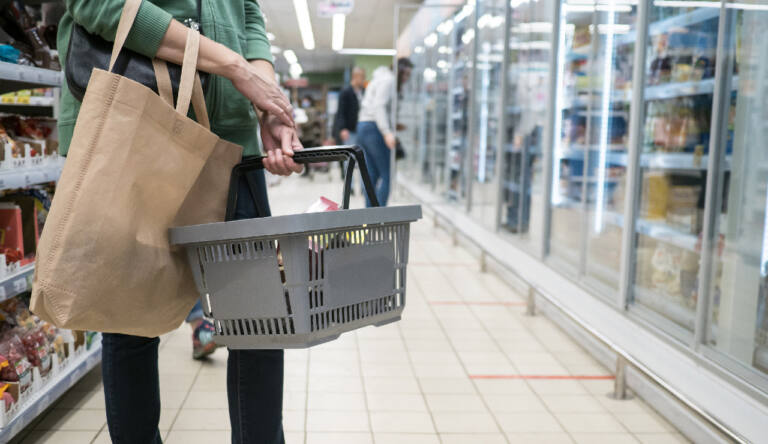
(22, 100)
(20, 285)
(27, 179)
(3, 293)
(8, 99)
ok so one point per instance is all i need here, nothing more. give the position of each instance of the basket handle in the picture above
(350, 153)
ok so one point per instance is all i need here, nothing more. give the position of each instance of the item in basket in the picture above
(321, 205)
(13, 349)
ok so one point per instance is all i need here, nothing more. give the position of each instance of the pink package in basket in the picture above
(321, 205)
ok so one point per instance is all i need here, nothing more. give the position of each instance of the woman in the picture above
(374, 132)
(242, 95)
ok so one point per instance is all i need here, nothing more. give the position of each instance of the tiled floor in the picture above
(464, 366)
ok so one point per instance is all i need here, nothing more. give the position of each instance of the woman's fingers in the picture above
(296, 145)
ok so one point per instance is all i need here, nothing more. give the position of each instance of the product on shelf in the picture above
(37, 348)
(12, 348)
(682, 208)
(6, 395)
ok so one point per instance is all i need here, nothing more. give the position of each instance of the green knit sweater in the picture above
(237, 24)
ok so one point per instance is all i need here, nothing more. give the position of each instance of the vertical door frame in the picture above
(500, 145)
(721, 102)
(634, 150)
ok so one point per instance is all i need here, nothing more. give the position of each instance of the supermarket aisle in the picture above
(464, 366)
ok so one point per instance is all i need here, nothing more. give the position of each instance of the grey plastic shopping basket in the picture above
(341, 270)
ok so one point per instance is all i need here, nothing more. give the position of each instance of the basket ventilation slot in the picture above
(255, 327)
(354, 312)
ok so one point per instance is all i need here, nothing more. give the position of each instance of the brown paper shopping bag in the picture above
(136, 167)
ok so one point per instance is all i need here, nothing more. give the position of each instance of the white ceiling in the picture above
(370, 25)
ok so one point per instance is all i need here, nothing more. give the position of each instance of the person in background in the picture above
(238, 53)
(374, 130)
(345, 123)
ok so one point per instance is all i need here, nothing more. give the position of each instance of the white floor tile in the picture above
(472, 438)
(590, 423)
(202, 419)
(339, 438)
(540, 438)
(198, 436)
(69, 419)
(406, 438)
(60, 437)
(336, 401)
(597, 438)
(528, 423)
(446, 385)
(455, 403)
(465, 422)
(572, 404)
(397, 402)
(526, 403)
(337, 421)
(401, 422)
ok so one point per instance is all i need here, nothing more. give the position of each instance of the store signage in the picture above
(329, 8)
(301, 82)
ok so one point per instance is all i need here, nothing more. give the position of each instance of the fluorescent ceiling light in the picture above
(337, 40)
(614, 8)
(295, 70)
(686, 4)
(305, 24)
(290, 57)
(446, 27)
(430, 40)
(418, 50)
(275, 49)
(464, 13)
(747, 6)
(270, 36)
(468, 36)
(368, 51)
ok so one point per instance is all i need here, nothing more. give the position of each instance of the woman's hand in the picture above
(263, 92)
(280, 141)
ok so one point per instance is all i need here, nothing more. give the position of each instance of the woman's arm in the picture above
(156, 34)
(248, 78)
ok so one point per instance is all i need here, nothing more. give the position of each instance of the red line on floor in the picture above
(553, 377)
(506, 304)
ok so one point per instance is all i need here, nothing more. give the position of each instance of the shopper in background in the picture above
(345, 123)
(374, 131)
(242, 60)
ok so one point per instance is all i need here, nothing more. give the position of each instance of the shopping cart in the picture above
(300, 280)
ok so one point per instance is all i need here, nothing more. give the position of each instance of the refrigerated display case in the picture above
(486, 115)
(738, 287)
(428, 97)
(631, 151)
(459, 102)
(525, 117)
(678, 93)
(439, 100)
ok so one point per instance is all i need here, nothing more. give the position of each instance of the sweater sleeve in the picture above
(258, 47)
(102, 16)
(381, 100)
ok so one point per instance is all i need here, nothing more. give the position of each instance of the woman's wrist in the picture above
(235, 68)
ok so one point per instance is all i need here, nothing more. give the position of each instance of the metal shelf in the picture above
(17, 282)
(657, 230)
(14, 77)
(685, 19)
(680, 89)
(52, 391)
(667, 161)
(24, 177)
(27, 109)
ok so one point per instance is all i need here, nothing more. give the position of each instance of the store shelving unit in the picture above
(13, 283)
(14, 77)
(54, 388)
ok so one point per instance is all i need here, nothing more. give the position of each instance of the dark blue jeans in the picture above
(377, 157)
(254, 377)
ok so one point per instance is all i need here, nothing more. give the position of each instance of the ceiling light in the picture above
(418, 50)
(368, 51)
(270, 36)
(446, 27)
(468, 36)
(305, 24)
(464, 13)
(295, 70)
(685, 4)
(275, 49)
(290, 57)
(430, 40)
(337, 41)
